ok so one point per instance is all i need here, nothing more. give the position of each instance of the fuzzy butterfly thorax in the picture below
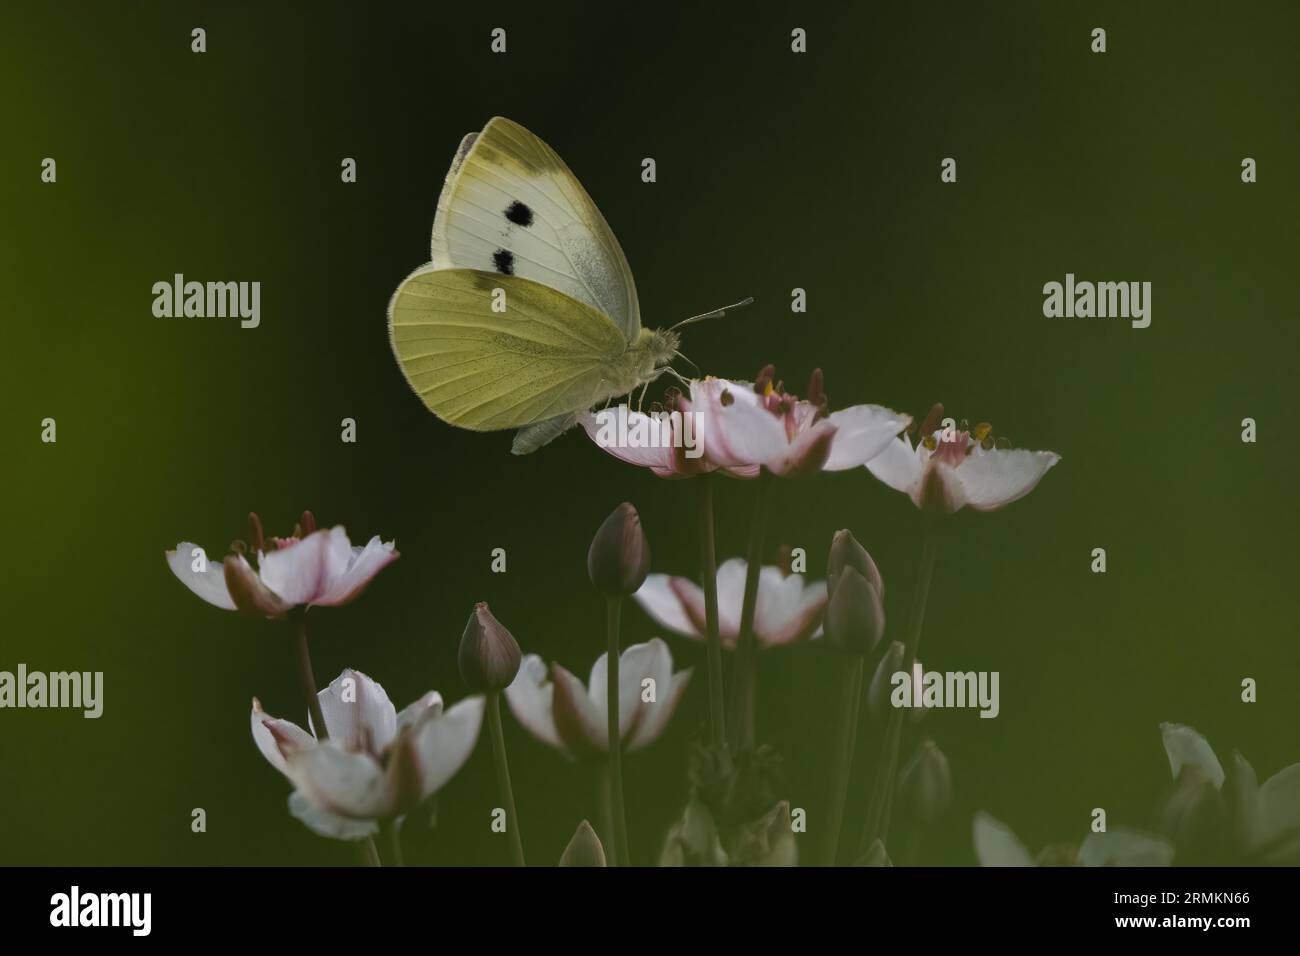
(645, 359)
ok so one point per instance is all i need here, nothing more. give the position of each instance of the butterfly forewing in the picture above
(484, 369)
(511, 206)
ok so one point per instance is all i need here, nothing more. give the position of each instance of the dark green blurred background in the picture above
(775, 171)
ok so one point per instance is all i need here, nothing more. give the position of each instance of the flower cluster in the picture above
(358, 766)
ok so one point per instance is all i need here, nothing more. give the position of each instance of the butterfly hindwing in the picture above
(511, 206)
(481, 369)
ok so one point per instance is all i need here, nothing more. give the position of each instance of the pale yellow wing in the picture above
(510, 205)
(483, 369)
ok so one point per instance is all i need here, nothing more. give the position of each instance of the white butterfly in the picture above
(527, 314)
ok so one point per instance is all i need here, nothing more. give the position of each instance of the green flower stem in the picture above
(845, 745)
(620, 852)
(887, 770)
(604, 809)
(394, 828)
(503, 776)
(306, 678)
(368, 852)
(742, 714)
(709, 580)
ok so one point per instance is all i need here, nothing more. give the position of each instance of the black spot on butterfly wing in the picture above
(520, 214)
(504, 261)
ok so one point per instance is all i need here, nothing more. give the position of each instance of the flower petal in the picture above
(900, 466)
(442, 743)
(358, 714)
(731, 598)
(601, 428)
(303, 572)
(1279, 814)
(806, 454)
(343, 782)
(638, 663)
(248, 592)
(273, 736)
(364, 564)
(209, 584)
(787, 611)
(633, 663)
(674, 603)
(996, 477)
(409, 715)
(1187, 748)
(738, 431)
(530, 696)
(326, 824)
(862, 433)
(581, 728)
(996, 845)
(655, 719)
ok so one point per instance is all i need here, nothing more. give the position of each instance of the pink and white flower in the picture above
(558, 710)
(1264, 817)
(950, 469)
(747, 426)
(376, 764)
(742, 427)
(673, 437)
(789, 609)
(322, 568)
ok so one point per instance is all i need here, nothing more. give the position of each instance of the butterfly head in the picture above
(661, 346)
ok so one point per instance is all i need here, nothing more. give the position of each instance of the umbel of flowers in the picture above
(357, 766)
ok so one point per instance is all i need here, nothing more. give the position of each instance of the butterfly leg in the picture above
(595, 395)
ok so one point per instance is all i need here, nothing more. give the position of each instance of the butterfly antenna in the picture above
(715, 314)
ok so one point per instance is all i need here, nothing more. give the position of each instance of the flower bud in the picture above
(489, 655)
(619, 559)
(925, 785)
(693, 840)
(855, 617)
(584, 849)
(847, 553)
(882, 682)
(883, 686)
